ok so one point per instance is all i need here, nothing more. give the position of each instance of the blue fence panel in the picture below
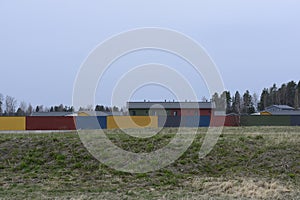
(190, 121)
(204, 121)
(295, 120)
(91, 122)
(170, 121)
(161, 121)
(184, 121)
(173, 121)
(102, 121)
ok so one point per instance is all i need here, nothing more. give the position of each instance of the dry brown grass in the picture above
(241, 188)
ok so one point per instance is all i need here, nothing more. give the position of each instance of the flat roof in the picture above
(51, 114)
(283, 107)
(168, 105)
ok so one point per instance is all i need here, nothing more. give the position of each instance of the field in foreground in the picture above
(247, 162)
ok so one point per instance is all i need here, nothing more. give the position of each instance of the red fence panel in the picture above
(232, 121)
(50, 123)
(225, 121)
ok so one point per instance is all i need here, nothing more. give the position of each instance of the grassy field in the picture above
(249, 162)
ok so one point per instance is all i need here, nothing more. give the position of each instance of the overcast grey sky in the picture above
(254, 43)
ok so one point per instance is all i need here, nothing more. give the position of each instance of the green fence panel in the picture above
(267, 120)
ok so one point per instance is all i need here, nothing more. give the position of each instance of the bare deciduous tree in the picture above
(1, 103)
(29, 110)
(204, 99)
(10, 105)
(23, 106)
(255, 100)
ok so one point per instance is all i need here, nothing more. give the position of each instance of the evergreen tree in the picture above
(107, 109)
(115, 109)
(298, 86)
(264, 99)
(247, 107)
(71, 109)
(296, 99)
(99, 108)
(273, 95)
(236, 104)
(66, 109)
(228, 102)
(20, 112)
(282, 94)
(290, 93)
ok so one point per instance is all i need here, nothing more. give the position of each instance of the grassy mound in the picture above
(251, 162)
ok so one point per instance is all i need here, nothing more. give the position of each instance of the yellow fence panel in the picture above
(12, 123)
(115, 122)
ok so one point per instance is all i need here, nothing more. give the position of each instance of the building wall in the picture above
(174, 112)
(12, 123)
(196, 112)
(170, 112)
(138, 112)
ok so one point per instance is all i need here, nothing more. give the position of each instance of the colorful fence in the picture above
(12, 123)
(114, 122)
(73, 123)
(50, 123)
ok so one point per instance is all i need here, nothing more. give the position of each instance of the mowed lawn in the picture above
(247, 162)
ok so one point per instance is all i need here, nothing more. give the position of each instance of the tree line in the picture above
(245, 103)
(9, 107)
(238, 104)
(287, 94)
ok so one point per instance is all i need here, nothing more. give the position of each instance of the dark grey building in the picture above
(169, 108)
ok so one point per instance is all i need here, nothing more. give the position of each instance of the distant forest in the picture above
(287, 94)
(246, 103)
